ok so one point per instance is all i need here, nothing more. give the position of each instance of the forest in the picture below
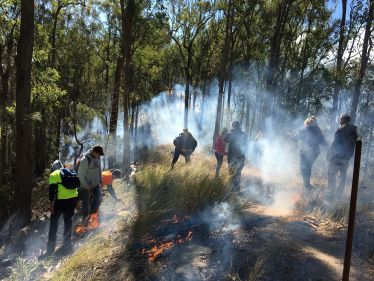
(129, 75)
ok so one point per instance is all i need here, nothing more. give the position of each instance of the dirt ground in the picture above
(242, 240)
(236, 239)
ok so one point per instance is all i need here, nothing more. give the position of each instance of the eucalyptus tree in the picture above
(187, 20)
(24, 155)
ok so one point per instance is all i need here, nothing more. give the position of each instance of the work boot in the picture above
(66, 249)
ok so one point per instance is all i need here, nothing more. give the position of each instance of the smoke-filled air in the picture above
(186, 140)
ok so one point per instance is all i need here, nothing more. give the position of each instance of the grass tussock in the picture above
(80, 266)
(184, 190)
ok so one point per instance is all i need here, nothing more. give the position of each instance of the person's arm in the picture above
(82, 173)
(355, 135)
(52, 192)
(322, 139)
(194, 144)
(100, 173)
(227, 138)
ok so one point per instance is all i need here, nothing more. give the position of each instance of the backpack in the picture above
(69, 178)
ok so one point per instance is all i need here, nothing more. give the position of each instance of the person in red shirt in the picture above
(219, 150)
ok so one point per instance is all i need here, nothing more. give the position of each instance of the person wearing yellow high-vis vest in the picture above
(63, 201)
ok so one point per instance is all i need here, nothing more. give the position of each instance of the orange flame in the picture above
(156, 251)
(93, 223)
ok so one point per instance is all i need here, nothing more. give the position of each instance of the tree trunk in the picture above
(23, 110)
(187, 89)
(114, 112)
(247, 123)
(364, 62)
(339, 61)
(3, 104)
(274, 56)
(53, 36)
(127, 16)
(223, 70)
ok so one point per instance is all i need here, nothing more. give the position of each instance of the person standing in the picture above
(185, 144)
(238, 144)
(107, 179)
(341, 151)
(310, 139)
(63, 198)
(219, 150)
(89, 173)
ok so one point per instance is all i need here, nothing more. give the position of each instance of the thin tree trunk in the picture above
(23, 110)
(187, 89)
(114, 112)
(3, 103)
(223, 70)
(339, 61)
(364, 62)
(53, 37)
(247, 123)
(274, 56)
(128, 15)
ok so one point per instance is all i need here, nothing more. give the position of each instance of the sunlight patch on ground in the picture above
(331, 261)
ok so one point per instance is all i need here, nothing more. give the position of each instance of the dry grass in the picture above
(159, 193)
(184, 190)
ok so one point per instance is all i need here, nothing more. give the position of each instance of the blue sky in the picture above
(337, 6)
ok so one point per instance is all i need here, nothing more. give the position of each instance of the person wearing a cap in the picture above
(185, 144)
(310, 139)
(89, 173)
(340, 153)
(238, 145)
(63, 201)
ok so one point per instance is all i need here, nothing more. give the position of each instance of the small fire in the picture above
(176, 219)
(93, 223)
(157, 250)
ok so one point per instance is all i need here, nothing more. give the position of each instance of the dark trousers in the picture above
(90, 200)
(219, 158)
(179, 152)
(337, 166)
(65, 208)
(306, 163)
(235, 169)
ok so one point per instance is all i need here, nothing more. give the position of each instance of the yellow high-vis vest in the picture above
(62, 192)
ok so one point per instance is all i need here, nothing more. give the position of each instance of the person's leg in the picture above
(343, 167)
(111, 191)
(68, 213)
(52, 234)
(219, 158)
(96, 199)
(238, 173)
(177, 152)
(236, 166)
(187, 156)
(305, 170)
(332, 171)
(85, 198)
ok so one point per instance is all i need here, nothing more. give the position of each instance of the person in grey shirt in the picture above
(341, 151)
(90, 178)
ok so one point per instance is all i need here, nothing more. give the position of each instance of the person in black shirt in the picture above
(310, 139)
(185, 144)
(340, 153)
(238, 143)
